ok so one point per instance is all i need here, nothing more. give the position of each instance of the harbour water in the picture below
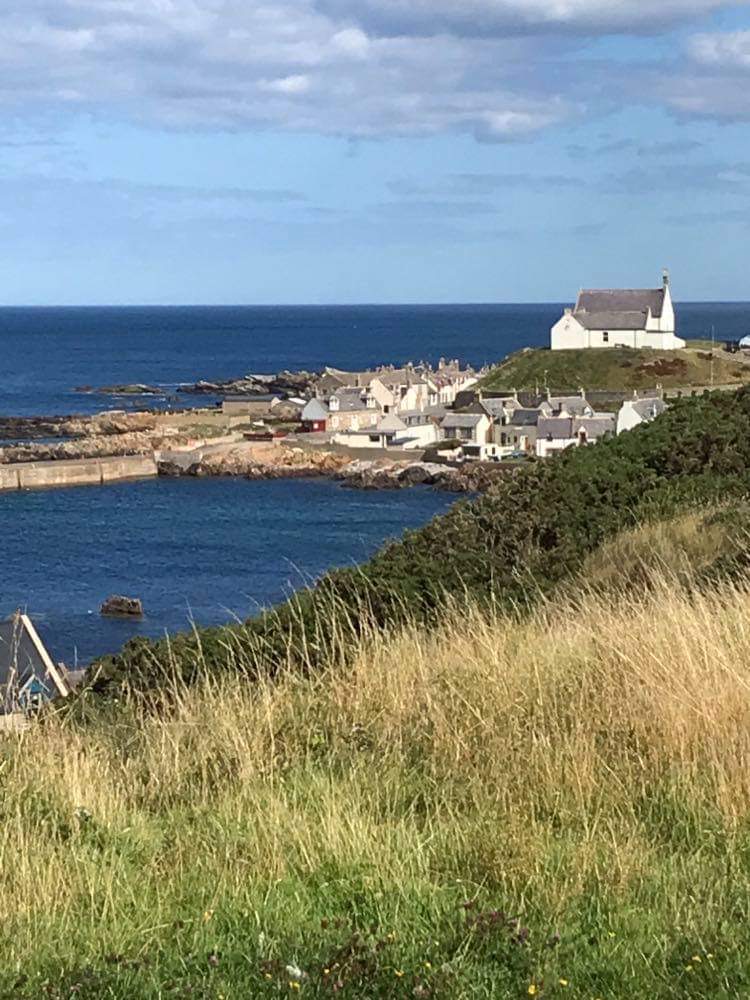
(202, 550)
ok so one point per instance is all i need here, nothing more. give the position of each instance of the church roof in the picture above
(618, 309)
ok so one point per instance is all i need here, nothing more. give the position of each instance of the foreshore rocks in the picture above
(261, 462)
(134, 389)
(75, 426)
(285, 383)
(374, 475)
(297, 463)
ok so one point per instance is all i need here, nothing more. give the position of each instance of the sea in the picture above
(204, 552)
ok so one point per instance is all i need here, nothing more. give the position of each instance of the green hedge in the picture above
(519, 539)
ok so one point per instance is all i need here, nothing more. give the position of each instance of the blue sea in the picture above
(209, 551)
(47, 353)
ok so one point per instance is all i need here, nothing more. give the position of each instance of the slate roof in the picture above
(595, 427)
(567, 428)
(350, 400)
(525, 418)
(556, 428)
(648, 409)
(575, 405)
(314, 410)
(462, 420)
(618, 309)
(390, 424)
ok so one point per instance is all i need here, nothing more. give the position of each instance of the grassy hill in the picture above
(618, 368)
(552, 805)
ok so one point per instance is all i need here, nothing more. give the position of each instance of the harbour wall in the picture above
(76, 472)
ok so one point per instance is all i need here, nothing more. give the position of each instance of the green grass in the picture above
(615, 369)
(556, 803)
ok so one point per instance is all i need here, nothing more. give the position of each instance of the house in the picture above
(619, 318)
(555, 434)
(314, 416)
(467, 427)
(352, 408)
(28, 677)
(250, 406)
(639, 411)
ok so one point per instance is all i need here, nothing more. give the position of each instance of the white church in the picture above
(627, 317)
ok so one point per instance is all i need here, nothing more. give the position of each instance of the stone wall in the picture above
(78, 472)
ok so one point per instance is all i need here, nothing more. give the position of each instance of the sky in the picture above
(336, 151)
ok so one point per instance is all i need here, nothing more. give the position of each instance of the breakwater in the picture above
(76, 472)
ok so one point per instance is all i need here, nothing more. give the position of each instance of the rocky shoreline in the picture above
(296, 463)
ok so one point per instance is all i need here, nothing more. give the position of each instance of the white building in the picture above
(619, 318)
(560, 433)
(639, 411)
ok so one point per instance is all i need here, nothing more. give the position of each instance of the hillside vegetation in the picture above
(507, 805)
(617, 368)
(517, 542)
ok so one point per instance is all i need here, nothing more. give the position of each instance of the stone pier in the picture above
(76, 472)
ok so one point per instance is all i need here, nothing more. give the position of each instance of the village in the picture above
(408, 418)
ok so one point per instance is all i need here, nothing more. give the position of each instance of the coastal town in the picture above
(448, 426)
(386, 426)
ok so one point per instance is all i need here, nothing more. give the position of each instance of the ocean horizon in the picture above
(51, 351)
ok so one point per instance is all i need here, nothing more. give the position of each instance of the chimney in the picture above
(582, 391)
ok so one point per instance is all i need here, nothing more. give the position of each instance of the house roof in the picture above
(575, 405)
(390, 424)
(351, 399)
(462, 419)
(618, 309)
(315, 410)
(23, 656)
(647, 408)
(595, 427)
(557, 428)
(523, 417)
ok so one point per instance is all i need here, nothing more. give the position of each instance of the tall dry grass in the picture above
(588, 766)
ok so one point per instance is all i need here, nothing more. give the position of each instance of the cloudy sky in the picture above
(371, 150)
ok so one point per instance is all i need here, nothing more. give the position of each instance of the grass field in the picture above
(618, 368)
(552, 806)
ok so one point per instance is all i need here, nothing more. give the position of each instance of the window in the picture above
(605, 338)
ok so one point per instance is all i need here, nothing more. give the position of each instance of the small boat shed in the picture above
(28, 677)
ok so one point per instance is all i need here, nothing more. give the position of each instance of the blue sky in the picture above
(283, 151)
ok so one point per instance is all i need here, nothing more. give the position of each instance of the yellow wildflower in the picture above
(563, 982)
(399, 972)
(688, 968)
(709, 956)
(532, 990)
(207, 916)
(293, 984)
(696, 958)
(268, 975)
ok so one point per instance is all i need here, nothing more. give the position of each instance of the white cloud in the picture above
(726, 50)
(350, 67)
(475, 17)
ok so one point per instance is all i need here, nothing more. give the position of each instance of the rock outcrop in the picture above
(122, 607)
(286, 383)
